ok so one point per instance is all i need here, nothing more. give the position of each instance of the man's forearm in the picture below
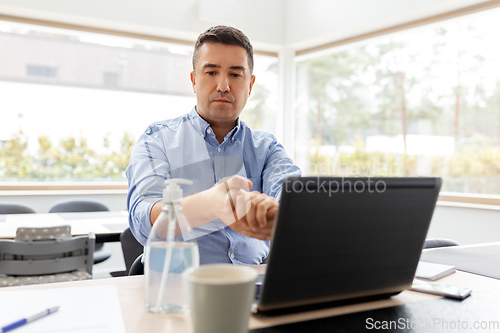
(198, 208)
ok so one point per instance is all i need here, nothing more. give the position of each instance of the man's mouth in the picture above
(222, 100)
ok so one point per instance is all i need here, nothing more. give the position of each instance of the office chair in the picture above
(131, 248)
(79, 206)
(137, 267)
(439, 242)
(46, 261)
(7, 207)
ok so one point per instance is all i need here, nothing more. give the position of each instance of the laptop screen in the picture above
(344, 238)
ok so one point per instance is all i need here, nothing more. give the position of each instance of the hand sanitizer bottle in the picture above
(171, 248)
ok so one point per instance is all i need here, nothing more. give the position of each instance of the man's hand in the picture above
(259, 215)
(253, 214)
(262, 233)
(249, 213)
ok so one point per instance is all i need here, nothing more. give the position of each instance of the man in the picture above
(208, 145)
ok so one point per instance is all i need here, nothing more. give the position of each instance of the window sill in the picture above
(57, 189)
(32, 193)
(468, 200)
(467, 205)
(446, 199)
(54, 186)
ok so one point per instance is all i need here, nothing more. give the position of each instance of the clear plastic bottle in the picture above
(167, 255)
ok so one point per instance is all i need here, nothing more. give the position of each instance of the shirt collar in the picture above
(235, 131)
(199, 123)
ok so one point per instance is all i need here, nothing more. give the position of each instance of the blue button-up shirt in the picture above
(186, 147)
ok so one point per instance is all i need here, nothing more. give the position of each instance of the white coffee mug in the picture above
(220, 297)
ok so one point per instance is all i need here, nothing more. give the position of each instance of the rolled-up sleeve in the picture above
(277, 168)
(146, 174)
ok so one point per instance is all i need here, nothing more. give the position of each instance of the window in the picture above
(74, 103)
(423, 102)
(260, 110)
(110, 79)
(41, 71)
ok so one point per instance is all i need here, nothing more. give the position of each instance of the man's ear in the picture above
(252, 81)
(193, 82)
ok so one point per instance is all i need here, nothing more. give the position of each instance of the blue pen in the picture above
(24, 321)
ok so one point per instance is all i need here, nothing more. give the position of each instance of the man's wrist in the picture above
(200, 208)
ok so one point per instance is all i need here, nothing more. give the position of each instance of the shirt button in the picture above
(209, 131)
(232, 139)
(232, 255)
(203, 135)
(218, 149)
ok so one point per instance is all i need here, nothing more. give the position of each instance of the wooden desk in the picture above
(137, 319)
(107, 226)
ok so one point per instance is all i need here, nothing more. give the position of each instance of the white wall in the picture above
(465, 225)
(43, 200)
(318, 22)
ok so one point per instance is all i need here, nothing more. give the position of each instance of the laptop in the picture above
(345, 239)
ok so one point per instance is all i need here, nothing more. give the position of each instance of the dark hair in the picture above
(224, 35)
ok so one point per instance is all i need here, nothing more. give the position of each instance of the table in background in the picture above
(482, 259)
(107, 226)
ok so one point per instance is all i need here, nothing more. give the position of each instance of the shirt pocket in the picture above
(257, 184)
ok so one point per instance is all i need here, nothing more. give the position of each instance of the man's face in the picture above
(222, 82)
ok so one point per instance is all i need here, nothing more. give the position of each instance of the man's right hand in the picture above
(249, 213)
(252, 212)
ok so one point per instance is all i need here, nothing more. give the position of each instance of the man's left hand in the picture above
(259, 219)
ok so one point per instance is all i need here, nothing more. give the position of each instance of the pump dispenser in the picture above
(173, 191)
(167, 255)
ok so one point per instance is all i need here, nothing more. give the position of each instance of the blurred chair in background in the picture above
(78, 206)
(439, 242)
(137, 267)
(81, 206)
(131, 248)
(45, 255)
(7, 207)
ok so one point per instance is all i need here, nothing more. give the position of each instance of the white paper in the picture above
(433, 271)
(94, 309)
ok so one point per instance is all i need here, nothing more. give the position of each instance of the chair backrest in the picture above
(131, 248)
(47, 256)
(75, 206)
(46, 233)
(15, 208)
(137, 267)
(439, 242)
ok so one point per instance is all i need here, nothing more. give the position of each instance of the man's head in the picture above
(224, 35)
(222, 75)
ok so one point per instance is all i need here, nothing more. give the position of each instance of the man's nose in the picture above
(223, 85)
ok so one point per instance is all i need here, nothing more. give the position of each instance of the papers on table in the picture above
(430, 271)
(94, 309)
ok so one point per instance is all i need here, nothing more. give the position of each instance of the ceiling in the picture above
(270, 24)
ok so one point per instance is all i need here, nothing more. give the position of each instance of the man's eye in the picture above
(236, 75)
(210, 73)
